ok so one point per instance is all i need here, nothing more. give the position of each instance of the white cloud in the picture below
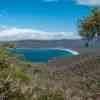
(13, 33)
(88, 2)
(81, 2)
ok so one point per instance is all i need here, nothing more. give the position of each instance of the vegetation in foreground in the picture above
(24, 81)
(57, 80)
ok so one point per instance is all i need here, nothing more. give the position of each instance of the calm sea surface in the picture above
(40, 55)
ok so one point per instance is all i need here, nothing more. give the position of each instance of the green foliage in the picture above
(7, 45)
(89, 27)
(13, 79)
(20, 74)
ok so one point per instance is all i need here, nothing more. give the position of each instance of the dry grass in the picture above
(74, 78)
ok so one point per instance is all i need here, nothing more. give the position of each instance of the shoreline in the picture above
(62, 49)
(69, 50)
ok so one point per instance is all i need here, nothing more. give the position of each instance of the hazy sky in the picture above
(42, 19)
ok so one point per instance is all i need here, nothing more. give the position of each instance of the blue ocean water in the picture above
(39, 55)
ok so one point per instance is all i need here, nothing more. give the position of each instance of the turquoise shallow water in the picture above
(40, 55)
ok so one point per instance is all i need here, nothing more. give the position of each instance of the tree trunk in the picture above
(87, 44)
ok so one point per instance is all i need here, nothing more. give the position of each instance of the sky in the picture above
(42, 19)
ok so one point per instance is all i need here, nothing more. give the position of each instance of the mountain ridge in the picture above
(65, 43)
